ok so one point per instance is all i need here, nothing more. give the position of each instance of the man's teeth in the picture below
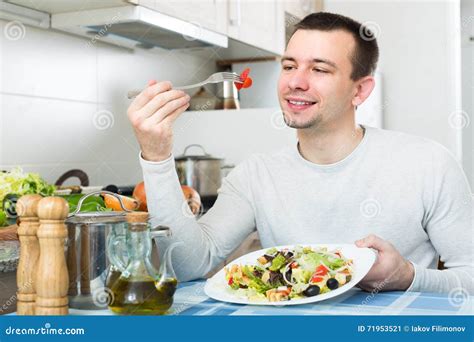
(300, 103)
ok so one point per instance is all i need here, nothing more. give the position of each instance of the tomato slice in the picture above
(247, 83)
(316, 279)
(245, 74)
(231, 281)
(321, 270)
(244, 77)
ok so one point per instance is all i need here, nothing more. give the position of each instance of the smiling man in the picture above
(404, 196)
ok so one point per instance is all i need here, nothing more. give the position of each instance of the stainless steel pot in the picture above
(202, 172)
(86, 254)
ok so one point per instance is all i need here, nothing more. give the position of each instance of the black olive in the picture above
(311, 291)
(332, 283)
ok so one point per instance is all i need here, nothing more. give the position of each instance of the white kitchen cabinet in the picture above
(259, 23)
(209, 14)
(58, 6)
(301, 8)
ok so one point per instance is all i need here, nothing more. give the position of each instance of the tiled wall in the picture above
(63, 106)
(63, 102)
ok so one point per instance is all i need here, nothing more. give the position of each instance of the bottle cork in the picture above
(137, 217)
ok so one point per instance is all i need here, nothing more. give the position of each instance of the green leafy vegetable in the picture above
(310, 261)
(277, 263)
(3, 218)
(91, 204)
(19, 183)
(255, 282)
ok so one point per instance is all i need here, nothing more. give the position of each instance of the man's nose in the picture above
(298, 80)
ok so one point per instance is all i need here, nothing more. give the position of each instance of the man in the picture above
(404, 196)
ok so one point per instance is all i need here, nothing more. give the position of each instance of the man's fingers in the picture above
(163, 103)
(173, 116)
(168, 109)
(148, 94)
(373, 241)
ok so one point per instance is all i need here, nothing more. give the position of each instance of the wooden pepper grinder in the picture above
(52, 278)
(26, 208)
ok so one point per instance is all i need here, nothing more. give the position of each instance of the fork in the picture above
(214, 78)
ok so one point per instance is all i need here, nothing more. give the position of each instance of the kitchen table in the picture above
(190, 299)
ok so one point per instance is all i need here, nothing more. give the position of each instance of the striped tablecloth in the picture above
(190, 299)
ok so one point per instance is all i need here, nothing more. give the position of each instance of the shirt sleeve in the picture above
(449, 223)
(210, 239)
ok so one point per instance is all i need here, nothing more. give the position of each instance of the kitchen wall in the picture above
(420, 62)
(63, 102)
(63, 106)
(467, 50)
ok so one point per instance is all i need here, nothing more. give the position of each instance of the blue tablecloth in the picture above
(190, 299)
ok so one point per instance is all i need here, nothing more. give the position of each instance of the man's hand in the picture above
(152, 114)
(390, 271)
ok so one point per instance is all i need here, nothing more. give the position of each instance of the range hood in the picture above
(137, 26)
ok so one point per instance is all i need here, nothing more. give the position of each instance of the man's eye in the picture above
(287, 67)
(320, 70)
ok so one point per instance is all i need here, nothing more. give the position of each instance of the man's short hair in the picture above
(366, 52)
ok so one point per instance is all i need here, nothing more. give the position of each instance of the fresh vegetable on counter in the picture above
(90, 204)
(16, 182)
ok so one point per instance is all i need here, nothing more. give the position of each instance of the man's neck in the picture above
(329, 145)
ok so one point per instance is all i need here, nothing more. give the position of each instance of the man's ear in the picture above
(364, 87)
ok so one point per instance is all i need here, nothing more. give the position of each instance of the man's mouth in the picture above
(299, 104)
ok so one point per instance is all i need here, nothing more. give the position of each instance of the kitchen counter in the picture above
(190, 299)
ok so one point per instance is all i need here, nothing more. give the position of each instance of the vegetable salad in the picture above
(281, 275)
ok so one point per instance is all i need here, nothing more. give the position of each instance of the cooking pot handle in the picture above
(195, 145)
(83, 198)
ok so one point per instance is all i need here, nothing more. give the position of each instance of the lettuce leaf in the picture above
(20, 183)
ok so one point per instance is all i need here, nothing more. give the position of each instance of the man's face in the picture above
(315, 88)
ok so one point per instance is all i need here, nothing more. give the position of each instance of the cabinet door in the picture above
(301, 8)
(259, 23)
(209, 14)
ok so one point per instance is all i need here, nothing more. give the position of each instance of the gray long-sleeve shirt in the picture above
(405, 189)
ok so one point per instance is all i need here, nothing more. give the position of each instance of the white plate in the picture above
(363, 259)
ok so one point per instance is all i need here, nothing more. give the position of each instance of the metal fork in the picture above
(214, 78)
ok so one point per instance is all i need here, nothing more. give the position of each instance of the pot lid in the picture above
(98, 217)
(203, 156)
(102, 217)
